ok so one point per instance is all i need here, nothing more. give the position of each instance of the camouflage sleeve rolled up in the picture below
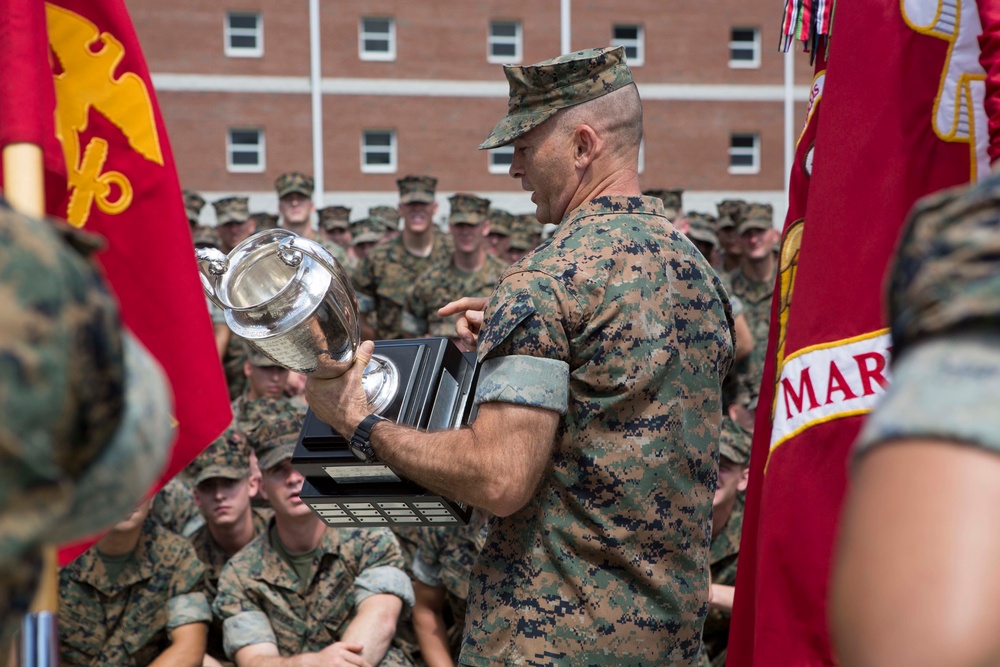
(427, 557)
(375, 556)
(524, 348)
(944, 307)
(186, 601)
(244, 623)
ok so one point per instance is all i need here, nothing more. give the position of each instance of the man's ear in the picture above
(586, 145)
(744, 479)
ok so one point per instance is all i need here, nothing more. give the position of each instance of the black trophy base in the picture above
(436, 385)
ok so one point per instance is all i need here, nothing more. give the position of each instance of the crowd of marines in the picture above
(226, 557)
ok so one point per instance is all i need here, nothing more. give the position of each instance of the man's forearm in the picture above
(483, 466)
(374, 626)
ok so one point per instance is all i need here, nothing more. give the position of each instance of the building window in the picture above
(377, 39)
(744, 48)
(631, 37)
(378, 151)
(744, 154)
(245, 150)
(244, 35)
(501, 159)
(504, 45)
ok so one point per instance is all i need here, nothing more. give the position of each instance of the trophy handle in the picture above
(380, 379)
(212, 265)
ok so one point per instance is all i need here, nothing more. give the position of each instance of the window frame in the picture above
(492, 39)
(377, 56)
(228, 32)
(491, 165)
(393, 151)
(753, 151)
(754, 63)
(261, 147)
(639, 42)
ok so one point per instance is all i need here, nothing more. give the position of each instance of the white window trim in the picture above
(380, 168)
(755, 152)
(640, 42)
(390, 55)
(745, 64)
(518, 43)
(499, 168)
(243, 52)
(261, 151)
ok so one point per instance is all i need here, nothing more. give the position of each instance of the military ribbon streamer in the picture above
(896, 111)
(111, 172)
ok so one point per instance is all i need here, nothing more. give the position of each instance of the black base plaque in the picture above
(436, 387)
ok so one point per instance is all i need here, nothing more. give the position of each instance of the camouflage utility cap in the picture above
(701, 229)
(335, 217)
(231, 209)
(193, 203)
(758, 216)
(274, 440)
(731, 212)
(387, 216)
(228, 457)
(538, 91)
(365, 231)
(521, 240)
(264, 220)
(500, 222)
(734, 442)
(671, 200)
(294, 181)
(417, 189)
(205, 237)
(259, 359)
(468, 209)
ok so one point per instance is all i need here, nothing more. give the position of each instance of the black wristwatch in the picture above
(361, 444)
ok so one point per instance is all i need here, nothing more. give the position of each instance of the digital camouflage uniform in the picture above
(943, 297)
(385, 277)
(127, 622)
(444, 559)
(84, 410)
(261, 600)
(621, 326)
(174, 508)
(756, 299)
(618, 324)
(442, 284)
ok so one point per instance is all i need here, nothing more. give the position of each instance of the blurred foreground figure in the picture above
(84, 409)
(916, 577)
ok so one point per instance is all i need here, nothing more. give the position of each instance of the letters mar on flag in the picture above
(898, 110)
(114, 175)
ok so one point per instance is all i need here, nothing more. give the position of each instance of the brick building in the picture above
(414, 86)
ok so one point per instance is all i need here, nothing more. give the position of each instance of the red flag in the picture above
(901, 115)
(119, 180)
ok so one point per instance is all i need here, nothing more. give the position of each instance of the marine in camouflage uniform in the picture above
(732, 212)
(295, 191)
(193, 203)
(443, 560)
(734, 462)
(303, 603)
(122, 613)
(618, 324)
(228, 459)
(173, 506)
(444, 283)
(84, 411)
(335, 225)
(384, 279)
(756, 297)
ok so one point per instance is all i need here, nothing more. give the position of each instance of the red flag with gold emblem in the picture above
(902, 97)
(119, 181)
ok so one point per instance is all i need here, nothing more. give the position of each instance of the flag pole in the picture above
(24, 189)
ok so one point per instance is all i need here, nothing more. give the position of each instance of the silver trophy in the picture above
(288, 297)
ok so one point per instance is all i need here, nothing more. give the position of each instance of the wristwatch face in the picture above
(362, 451)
